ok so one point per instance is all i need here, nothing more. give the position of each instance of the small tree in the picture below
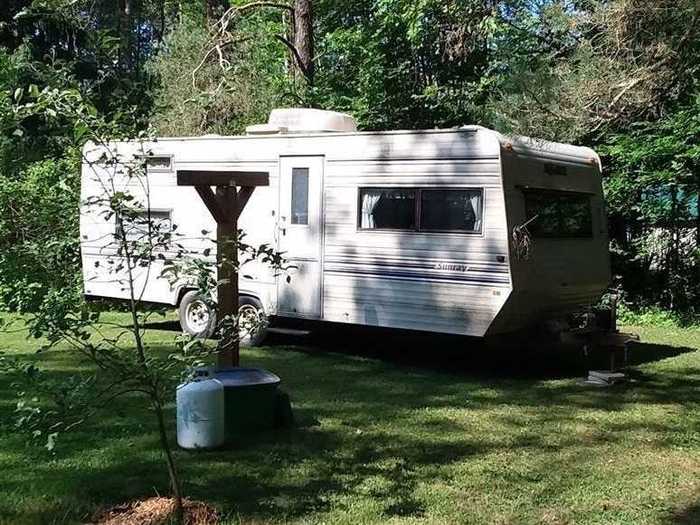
(139, 243)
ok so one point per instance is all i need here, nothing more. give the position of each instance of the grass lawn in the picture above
(385, 440)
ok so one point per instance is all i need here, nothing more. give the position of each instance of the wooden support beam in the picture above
(212, 203)
(225, 206)
(222, 178)
(227, 259)
(243, 196)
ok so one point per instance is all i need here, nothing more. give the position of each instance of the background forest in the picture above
(620, 76)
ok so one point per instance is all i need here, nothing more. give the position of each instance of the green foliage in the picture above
(617, 74)
(198, 95)
(11, 140)
(653, 191)
(39, 246)
(403, 64)
(573, 71)
(654, 317)
(392, 64)
(49, 106)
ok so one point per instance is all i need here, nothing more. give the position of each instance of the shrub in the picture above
(654, 316)
(39, 244)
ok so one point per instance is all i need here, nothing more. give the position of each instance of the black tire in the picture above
(198, 320)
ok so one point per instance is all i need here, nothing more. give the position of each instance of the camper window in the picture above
(558, 214)
(416, 209)
(157, 163)
(451, 210)
(136, 225)
(300, 195)
(387, 208)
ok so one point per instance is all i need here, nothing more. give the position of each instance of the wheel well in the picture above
(184, 289)
(181, 293)
(255, 297)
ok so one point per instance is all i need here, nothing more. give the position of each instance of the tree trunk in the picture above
(165, 446)
(697, 216)
(152, 384)
(304, 38)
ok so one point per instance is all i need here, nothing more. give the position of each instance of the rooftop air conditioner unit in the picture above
(304, 120)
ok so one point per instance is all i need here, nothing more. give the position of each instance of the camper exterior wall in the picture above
(561, 274)
(444, 282)
(187, 211)
(438, 281)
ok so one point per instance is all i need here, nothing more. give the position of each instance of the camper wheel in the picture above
(198, 320)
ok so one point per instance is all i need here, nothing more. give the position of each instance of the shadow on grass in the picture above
(509, 358)
(470, 356)
(688, 516)
(379, 416)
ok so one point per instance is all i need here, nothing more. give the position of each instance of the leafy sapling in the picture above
(139, 246)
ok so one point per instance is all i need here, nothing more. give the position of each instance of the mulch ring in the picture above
(156, 511)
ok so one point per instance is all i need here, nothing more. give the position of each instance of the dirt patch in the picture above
(156, 511)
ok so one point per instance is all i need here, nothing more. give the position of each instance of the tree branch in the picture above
(254, 5)
(295, 52)
(233, 11)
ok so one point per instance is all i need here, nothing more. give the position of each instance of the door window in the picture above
(300, 196)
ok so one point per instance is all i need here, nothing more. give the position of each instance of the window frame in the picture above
(418, 209)
(144, 211)
(525, 190)
(150, 156)
(291, 196)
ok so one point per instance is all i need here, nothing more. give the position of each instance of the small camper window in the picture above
(300, 195)
(451, 210)
(158, 163)
(558, 214)
(136, 225)
(387, 209)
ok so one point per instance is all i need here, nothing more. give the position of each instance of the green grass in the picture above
(381, 441)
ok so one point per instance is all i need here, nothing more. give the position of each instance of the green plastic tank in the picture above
(250, 397)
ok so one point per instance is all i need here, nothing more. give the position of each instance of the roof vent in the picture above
(304, 120)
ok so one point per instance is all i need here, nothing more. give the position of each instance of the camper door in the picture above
(299, 290)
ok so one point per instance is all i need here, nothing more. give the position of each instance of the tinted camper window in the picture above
(456, 210)
(559, 214)
(451, 210)
(387, 208)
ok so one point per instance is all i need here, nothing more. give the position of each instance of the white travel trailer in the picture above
(460, 231)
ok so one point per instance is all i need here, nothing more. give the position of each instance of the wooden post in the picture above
(227, 262)
(225, 206)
